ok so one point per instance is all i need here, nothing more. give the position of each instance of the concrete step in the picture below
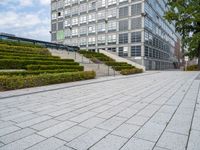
(100, 69)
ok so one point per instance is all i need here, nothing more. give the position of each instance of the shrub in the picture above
(21, 64)
(54, 67)
(18, 82)
(110, 63)
(20, 49)
(119, 68)
(36, 58)
(24, 44)
(192, 68)
(130, 71)
(26, 55)
(35, 72)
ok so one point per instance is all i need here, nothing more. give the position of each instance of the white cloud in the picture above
(45, 2)
(25, 3)
(18, 20)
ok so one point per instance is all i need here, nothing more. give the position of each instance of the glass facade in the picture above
(130, 28)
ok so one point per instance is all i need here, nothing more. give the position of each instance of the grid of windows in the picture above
(135, 37)
(136, 50)
(96, 21)
(123, 25)
(136, 9)
(123, 12)
(123, 38)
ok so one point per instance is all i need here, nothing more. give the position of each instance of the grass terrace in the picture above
(123, 67)
(24, 65)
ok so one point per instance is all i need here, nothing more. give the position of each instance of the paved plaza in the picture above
(154, 110)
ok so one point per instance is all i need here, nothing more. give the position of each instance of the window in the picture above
(54, 27)
(111, 2)
(67, 2)
(53, 16)
(75, 21)
(146, 37)
(60, 14)
(101, 3)
(123, 25)
(112, 49)
(101, 27)
(136, 23)
(135, 37)
(54, 6)
(91, 41)
(83, 30)
(60, 25)
(111, 39)
(135, 50)
(146, 52)
(83, 19)
(83, 7)
(74, 10)
(75, 41)
(101, 15)
(67, 12)
(112, 25)
(91, 29)
(83, 41)
(121, 1)
(53, 37)
(136, 9)
(60, 4)
(112, 13)
(67, 22)
(101, 39)
(74, 31)
(92, 5)
(123, 12)
(68, 32)
(123, 38)
(91, 17)
(74, 1)
(123, 51)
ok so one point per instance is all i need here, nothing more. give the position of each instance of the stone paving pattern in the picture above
(158, 111)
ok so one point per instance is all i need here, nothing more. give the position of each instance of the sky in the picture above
(26, 18)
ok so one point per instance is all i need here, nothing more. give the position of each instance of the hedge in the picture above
(21, 64)
(54, 67)
(18, 82)
(130, 71)
(17, 49)
(192, 68)
(23, 73)
(111, 63)
(119, 68)
(36, 58)
(27, 55)
(25, 44)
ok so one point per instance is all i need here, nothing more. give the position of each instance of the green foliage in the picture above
(102, 58)
(35, 72)
(21, 64)
(24, 44)
(119, 68)
(18, 82)
(26, 55)
(54, 67)
(36, 58)
(186, 15)
(21, 49)
(131, 71)
(192, 68)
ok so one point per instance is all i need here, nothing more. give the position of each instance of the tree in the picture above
(186, 16)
